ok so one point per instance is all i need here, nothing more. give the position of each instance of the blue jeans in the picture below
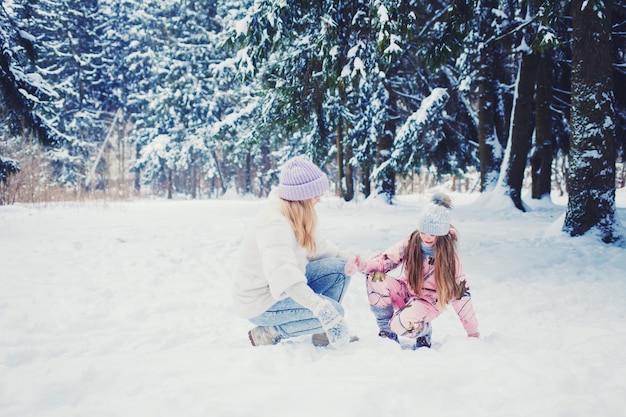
(326, 278)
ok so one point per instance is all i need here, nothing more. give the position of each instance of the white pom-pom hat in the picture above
(435, 218)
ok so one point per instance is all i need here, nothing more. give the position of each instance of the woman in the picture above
(290, 281)
(431, 277)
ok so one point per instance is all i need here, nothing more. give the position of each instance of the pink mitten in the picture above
(354, 265)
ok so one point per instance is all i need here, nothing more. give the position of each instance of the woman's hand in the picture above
(333, 323)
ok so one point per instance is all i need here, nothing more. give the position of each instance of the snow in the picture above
(122, 309)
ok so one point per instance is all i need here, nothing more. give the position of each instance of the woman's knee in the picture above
(326, 266)
(327, 271)
(326, 277)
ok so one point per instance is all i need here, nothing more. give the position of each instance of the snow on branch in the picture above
(413, 138)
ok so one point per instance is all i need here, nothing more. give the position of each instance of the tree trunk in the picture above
(218, 168)
(591, 180)
(365, 183)
(489, 149)
(541, 160)
(193, 177)
(386, 180)
(340, 171)
(320, 148)
(505, 71)
(349, 174)
(386, 184)
(170, 184)
(248, 174)
(137, 179)
(521, 129)
(265, 165)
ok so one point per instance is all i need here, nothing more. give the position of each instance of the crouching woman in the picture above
(290, 281)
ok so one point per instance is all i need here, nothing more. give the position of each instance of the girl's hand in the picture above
(474, 335)
(355, 265)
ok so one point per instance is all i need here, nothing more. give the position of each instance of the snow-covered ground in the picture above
(121, 309)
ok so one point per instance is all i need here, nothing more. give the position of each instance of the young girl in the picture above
(431, 277)
(290, 281)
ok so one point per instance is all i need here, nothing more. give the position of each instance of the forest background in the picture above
(196, 98)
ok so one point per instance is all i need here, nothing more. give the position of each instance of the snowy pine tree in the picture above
(591, 204)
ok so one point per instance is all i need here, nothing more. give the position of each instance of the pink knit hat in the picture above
(301, 180)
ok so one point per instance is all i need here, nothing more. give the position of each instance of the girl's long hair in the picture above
(303, 219)
(445, 267)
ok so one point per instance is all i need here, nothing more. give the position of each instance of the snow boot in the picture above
(389, 335)
(424, 339)
(321, 340)
(263, 335)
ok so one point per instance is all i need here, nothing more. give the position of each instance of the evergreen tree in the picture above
(308, 59)
(417, 143)
(591, 179)
(373, 90)
(367, 119)
(538, 112)
(181, 107)
(429, 42)
(326, 61)
(21, 87)
(618, 39)
(531, 100)
(490, 145)
(23, 92)
(71, 54)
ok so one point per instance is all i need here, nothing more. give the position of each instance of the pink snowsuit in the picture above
(412, 312)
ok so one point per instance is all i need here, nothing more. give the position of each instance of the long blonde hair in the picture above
(303, 219)
(445, 267)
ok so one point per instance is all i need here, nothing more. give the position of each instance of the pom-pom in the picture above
(443, 200)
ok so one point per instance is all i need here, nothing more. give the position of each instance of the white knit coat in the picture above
(271, 260)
